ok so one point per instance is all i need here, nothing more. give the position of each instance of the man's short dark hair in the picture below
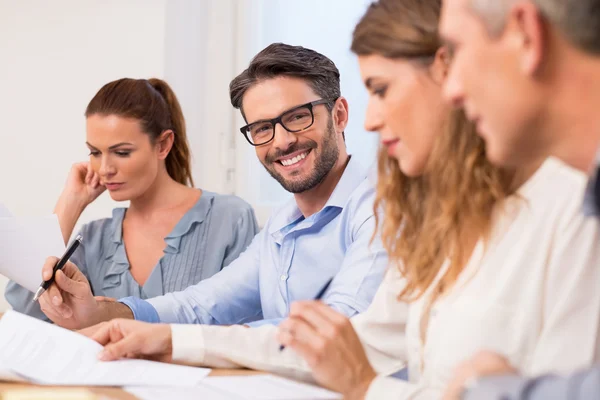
(279, 59)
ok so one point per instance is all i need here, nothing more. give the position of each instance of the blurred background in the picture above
(55, 55)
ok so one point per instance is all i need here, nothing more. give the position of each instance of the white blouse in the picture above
(531, 293)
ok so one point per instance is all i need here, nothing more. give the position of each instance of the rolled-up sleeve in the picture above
(141, 309)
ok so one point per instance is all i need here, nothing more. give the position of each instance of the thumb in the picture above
(71, 286)
(96, 332)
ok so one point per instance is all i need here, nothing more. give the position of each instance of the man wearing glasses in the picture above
(290, 98)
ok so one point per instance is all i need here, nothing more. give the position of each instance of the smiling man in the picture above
(290, 98)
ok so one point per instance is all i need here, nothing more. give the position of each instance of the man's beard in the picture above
(324, 163)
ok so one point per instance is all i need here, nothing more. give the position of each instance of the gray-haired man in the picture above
(528, 72)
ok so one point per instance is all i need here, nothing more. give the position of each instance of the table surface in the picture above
(115, 393)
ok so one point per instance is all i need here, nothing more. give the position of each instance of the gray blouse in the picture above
(208, 237)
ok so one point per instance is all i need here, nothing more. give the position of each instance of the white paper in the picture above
(268, 387)
(25, 243)
(6, 375)
(252, 387)
(48, 354)
(169, 393)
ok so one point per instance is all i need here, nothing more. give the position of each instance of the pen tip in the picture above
(39, 292)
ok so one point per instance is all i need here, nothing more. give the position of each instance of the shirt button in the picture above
(283, 277)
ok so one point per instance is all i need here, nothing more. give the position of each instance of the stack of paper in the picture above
(25, 243)
(43, 353)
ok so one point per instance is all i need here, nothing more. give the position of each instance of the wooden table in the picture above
(118, 393)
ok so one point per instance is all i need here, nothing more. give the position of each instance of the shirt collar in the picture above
(353, 175)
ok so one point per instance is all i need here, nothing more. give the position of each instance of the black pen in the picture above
(319, 296)
(61, 263)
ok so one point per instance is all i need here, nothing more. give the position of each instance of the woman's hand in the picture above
(123, 338)
(330, 346)
(83, 184)
(83, 187)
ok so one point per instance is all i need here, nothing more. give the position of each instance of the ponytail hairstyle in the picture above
(154, 104)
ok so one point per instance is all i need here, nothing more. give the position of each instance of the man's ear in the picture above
(526, 26)
(165, 143)
(340, 114)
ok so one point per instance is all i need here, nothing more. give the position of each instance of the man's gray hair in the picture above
(579, 20)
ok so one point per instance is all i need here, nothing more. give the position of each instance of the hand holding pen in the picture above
(327, 341)
(319, 296)
(59, 265)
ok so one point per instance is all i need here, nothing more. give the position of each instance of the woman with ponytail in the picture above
(172, 235)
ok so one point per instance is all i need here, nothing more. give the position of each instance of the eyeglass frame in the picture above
(277, 120)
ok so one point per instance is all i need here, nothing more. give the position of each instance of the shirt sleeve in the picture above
(231, 296)
(380, 328)
(584, 385)
(141, 309)
(21, 299)
(361, 273)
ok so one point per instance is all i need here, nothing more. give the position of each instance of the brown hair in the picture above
(430, 218)
(279, 59)
(154, 104)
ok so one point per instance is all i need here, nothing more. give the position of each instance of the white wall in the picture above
(54, 56)
(199, 64)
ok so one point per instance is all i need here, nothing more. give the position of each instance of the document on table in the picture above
(48, 354)
(170, 393)
(253, 387)
(6, 375)
(25, 243)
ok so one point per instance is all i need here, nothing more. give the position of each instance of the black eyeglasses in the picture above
(295, 120)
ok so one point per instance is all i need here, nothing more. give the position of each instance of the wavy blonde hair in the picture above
(429, 219)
